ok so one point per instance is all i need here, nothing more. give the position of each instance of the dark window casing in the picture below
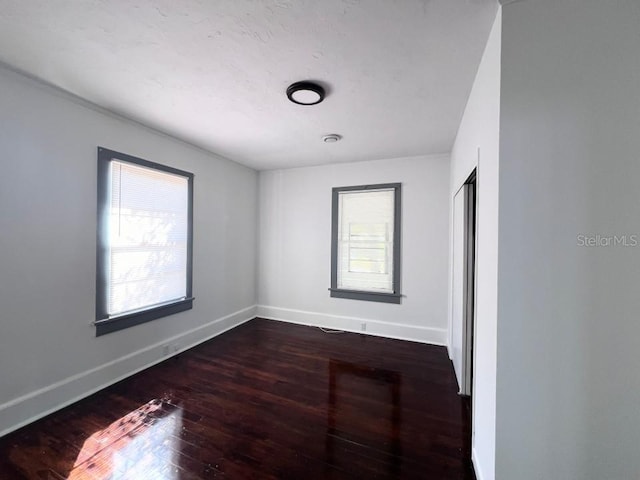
(383, 297)
(104, 323)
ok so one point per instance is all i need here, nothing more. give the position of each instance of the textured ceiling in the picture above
(214, 72)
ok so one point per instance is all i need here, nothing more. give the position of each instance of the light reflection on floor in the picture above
(142, 445)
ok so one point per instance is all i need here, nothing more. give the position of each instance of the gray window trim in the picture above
(105, 324)
(336, 292)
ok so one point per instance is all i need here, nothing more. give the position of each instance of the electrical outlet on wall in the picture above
(363, 326)
(165, 350)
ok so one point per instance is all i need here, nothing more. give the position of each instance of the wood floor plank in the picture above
(267, 400)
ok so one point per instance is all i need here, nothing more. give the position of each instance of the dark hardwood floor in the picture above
(267, 400)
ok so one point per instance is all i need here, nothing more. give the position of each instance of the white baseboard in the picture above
(30, 407)
(434, 336)
(476, 465)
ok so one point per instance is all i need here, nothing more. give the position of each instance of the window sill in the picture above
(366, 296)
(113, 324)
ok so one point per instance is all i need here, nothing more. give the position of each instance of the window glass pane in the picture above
(368, 248)
(148, 237)
(365, 240)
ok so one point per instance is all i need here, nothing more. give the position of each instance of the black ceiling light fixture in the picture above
(305, 93)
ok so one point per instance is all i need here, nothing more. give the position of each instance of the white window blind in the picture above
(148, 238)
(365, 240)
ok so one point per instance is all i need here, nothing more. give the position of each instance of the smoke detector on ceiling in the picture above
(331, 138)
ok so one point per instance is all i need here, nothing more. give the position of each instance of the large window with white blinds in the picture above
(365, 247)
(144, 241)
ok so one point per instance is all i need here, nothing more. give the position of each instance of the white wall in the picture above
(295, 247)
(478, 138)
(49, 354)
(568, 391)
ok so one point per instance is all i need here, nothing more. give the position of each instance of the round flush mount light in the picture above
(305, 93)
(331, 138)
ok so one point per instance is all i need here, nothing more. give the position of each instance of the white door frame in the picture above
(461, 332)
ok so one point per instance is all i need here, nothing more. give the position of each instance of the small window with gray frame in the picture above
(144, 241)
(365, 242)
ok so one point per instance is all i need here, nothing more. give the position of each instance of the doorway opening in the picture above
(463, 306)
(464, 283)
